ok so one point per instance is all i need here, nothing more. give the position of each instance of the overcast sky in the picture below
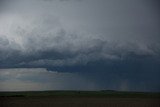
(98, 44)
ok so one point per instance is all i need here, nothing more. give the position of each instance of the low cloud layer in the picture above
(37, 38)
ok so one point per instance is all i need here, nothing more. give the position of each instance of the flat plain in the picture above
(79, 99)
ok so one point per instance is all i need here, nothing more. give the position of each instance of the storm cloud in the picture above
(40, 38)
(85, 36)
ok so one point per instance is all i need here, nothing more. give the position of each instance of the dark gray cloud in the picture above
(108, 37)
(2, 3)
(63, 0)
(70, 0)
(60, 38)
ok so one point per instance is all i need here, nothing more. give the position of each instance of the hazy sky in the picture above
(80, 45)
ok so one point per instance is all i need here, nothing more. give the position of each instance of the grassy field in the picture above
(79, 99)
